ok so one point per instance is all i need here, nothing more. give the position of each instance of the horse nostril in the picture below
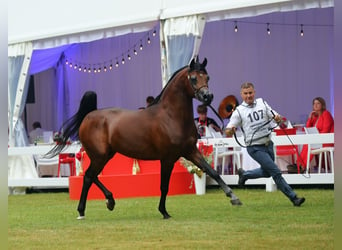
(208, 97)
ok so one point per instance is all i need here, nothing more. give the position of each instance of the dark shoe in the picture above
(298, 201)
(242, 179)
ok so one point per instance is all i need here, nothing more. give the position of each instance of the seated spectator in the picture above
(37, 133)
(203, 121)
(320, 118)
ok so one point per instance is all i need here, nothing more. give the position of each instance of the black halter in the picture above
(193, 82)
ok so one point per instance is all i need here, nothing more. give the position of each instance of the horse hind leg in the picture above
(110, 202)
(165, 173)
(89, 178)
(87, 182)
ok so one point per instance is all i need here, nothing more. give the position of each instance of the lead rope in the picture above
(217, 116)
(222, 128)
(244, 146)
(297, 152)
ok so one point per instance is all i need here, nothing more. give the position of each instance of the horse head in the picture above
(199, 78)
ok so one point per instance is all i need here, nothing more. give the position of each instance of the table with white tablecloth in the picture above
(282, 161)
(22, 166)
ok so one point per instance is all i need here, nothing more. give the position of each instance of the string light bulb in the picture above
(236, 27)
(301, 30)
(102, 66)
(268, 29)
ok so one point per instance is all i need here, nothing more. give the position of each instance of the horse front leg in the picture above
(213, 174)
(165, 174)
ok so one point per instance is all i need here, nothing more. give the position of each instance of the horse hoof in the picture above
(166, 216)
(236, 202)
(81, 217)
(110, 204)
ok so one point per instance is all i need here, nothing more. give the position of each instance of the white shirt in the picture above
(254, 121)
(36, 134)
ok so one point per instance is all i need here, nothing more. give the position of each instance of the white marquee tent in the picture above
(40, 33)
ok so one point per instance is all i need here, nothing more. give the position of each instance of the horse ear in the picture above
(204, 62)
(192, 63)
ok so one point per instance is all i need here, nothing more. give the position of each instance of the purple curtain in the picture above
(288, 70)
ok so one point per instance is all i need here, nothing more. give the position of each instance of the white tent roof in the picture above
(38, 25)
(44, 21)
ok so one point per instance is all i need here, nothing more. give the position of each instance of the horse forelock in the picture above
(197, 66)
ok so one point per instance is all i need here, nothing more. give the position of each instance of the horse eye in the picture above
(208, 77)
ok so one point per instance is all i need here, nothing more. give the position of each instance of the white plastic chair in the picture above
(318, 149)
(223, 152)
(46, 166)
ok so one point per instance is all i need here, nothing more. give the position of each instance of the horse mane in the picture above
(157, 99)
(195, 65)
(70, 127)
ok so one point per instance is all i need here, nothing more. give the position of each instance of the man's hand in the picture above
(230, 131)
(281, 121)
(277, 118)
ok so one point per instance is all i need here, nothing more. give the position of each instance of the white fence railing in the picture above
(228, 142)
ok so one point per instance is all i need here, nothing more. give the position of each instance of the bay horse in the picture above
(164, 131)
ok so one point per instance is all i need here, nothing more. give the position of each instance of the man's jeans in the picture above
(264, 155)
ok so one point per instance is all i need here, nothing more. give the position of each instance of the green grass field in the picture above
(264, 221)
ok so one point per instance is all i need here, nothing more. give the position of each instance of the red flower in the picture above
(79, 154)
(207, 152)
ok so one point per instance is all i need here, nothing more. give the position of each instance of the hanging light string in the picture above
(268, 25)
(268, 29)
(104, 66)
(235, 27)
(301, 30)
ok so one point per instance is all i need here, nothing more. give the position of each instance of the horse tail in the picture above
(70, 127)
